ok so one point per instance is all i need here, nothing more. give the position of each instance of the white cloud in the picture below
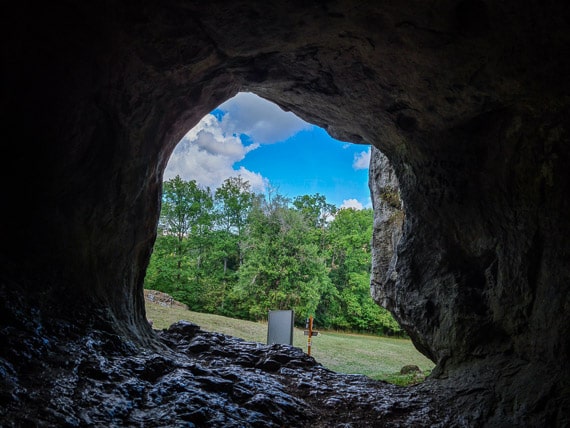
(206, 154)
(361, 160)
(209, 151)
(351, 203)
(263, 121)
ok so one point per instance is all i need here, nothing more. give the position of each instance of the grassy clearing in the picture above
(373, 356)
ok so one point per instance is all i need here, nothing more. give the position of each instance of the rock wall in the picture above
(472, 278)
(389, 214)
(467, 100)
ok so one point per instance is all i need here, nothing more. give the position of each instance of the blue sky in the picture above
(271, 148)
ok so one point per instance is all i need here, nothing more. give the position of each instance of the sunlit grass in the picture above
(373, 356)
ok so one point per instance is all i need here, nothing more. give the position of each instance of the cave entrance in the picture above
(264, 211)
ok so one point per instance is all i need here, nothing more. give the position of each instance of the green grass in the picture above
(373, 356)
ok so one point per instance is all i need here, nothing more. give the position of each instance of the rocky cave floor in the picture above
(200, 379)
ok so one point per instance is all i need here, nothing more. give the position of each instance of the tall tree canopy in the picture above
(236, 253)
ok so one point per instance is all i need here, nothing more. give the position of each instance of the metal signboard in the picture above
(280, 327)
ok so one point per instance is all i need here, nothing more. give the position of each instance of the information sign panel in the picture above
(280, 327)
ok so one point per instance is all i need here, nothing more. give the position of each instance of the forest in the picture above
(237, 253)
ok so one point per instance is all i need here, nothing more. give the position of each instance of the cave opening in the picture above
(208, 169)
(470, 109)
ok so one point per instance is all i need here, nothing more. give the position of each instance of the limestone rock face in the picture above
(389, 216)
(466, 103)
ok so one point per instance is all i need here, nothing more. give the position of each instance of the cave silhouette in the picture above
(465, 102)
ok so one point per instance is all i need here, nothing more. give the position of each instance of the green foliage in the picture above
(392, 197)
(234, 200)
(404, 379)
(235, 253)
(282, 268)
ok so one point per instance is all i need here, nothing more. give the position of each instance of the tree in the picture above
(318, 212)
(233, 203)
(350, 260)
(199, 245)
(315, 208)
(184, 225)
(282, 268)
